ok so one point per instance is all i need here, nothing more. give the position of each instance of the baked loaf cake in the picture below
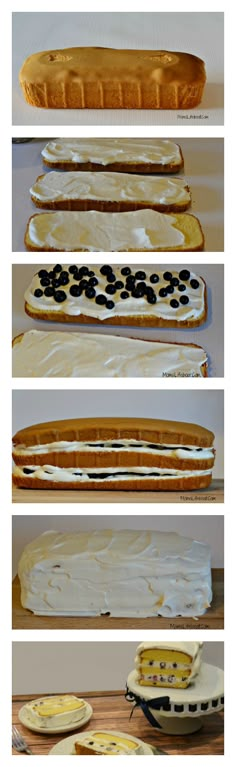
(118, 295)
(56, 711)
(108, 78)
(107, 743)
(76, 355)
(109, 191)
(113, 453)
(141, 230)
(130, 573)
(126, 155)
(168, 664)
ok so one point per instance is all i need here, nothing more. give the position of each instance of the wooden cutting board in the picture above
(214, 618)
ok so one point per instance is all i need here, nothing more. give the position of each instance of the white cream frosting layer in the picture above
(183, 452)
(72, 711)
(121, 572)
(94, 231)
(110, 186)
(105, 151)
(77, 355)
(110, 743)
(109, 474)
(194, 649)
(130, 307)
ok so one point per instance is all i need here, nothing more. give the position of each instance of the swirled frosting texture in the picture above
(121, 572)
(106, 151)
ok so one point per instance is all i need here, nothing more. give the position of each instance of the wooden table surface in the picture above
(213, 619)
(111, 712)
(212, 494)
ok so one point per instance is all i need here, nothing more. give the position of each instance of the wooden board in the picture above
(214, 618)
(212, 494)
(111, 712)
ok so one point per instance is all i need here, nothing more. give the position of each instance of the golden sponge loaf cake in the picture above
(113, 453)
(108, 78)
(125, 155)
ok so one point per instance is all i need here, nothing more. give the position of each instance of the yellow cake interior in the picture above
(164, 668)
(109, 743)
(57, 705)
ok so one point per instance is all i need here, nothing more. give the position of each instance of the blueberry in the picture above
(106, 269)
(137, 293)
(100, 299)
(51, 275)
(125, 271)
(91, 273)
(38, 293)
(43, 273)
(151, 298)
(83, 270)
(64, 279)
(56, 282)
(143, 286)
(28, 471)
(167, 276)
(184, 300)
(174, 281)
(75, 291)
(59, 296)
(181, 288)
(130, 283)
(83, 284)
(140, 275)
(184, 275)
(154, 278)
(93, 281)
(73, 268)
(174, 303)
(77, 276)
(163, 292)
(49, 292)
(90, 293)
(110, 289)
(64, 273)
(110, 304)
(194, 284)
(45, 281)
(57, 268)
(124, 294)
(119, 285)
(170, 289)
(111, 277)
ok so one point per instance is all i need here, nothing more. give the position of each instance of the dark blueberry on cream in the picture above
(75, 291)
(140, 275)
(51, 275)
(124, 294)
(174, 281)
(151, 663)
(181, 288)
(163, 292)
(105, 269)
(91, 273)
(125, 271)
(142, 285)
(170, 289)
(174, 665)
(167, 276)
(38, 293)
(119, 285)
(90, 292)
(194, 284)
(43, 273)
(130, 283)
(73, 268)
(111, 277)
(57, 268)
(59, 296)
(184, 275)
(162, 664)
(154, 278)
(100, 299)
(184, 300)
(174, 303)
(49, 292)
(83, 284)
(137, 293)
(110, 304)
(110, 289)
(77, 276)
(151, 298)
(83, 270)
(64, 278)
(93, 281)
(171, 679)
(56, 283)
(28, 471)
(45, 281)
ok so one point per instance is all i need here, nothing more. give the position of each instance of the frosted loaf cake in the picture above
(55, 711)
(163, 664)
(123, 573)
(125, 155)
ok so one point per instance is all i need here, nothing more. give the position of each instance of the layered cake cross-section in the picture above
(163, 664)
(107, 743)
(55, 711)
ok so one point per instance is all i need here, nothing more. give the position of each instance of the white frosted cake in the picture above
(168, 664)
(123, 573)
(55, 711)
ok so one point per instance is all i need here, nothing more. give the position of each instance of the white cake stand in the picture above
(184, 712)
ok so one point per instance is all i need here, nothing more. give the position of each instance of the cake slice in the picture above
(107, 743)
(109, 192)
(125, 155)
(94, 231)
(163, 664)
(55, 711)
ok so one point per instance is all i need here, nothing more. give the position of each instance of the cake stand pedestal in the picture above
(182, 714)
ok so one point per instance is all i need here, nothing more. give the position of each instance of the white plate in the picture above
(65, 746)
(24, 719)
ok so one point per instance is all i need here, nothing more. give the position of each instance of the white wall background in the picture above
(207, 529)
(201, 407)
(51, 667)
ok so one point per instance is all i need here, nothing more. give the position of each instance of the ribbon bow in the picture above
(145, 705)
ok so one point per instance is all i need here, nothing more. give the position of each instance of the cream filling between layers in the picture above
(183, 452)
(110, 186)
(95, 231)
(77, 355)
(58, 474)
(191, 648)
(130, 307)
(105, 151)
(56, 711)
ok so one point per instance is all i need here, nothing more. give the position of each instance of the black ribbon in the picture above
(145, 705)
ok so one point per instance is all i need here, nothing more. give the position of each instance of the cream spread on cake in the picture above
(95, 231)
(78, 355)
(108, 743)
(121, 572)
(109, 150)
(56, 711)
(177, 665)
(131, 306)
(183, 452)
(107, 474)
(112, 187)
